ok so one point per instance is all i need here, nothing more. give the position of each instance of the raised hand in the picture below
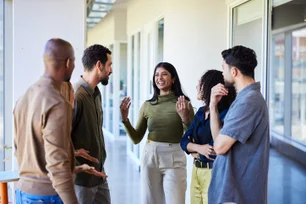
(217, 92)
(90, 170)
(124, 108)
(85, 154)
(183, 109)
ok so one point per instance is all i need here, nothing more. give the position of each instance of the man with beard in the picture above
(42, 119)
(240, 172)
(87, 123)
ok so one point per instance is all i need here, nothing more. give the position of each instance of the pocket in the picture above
(147, 157)
(179, 159)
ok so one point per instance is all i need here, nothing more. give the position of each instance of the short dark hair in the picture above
(241, 57)
(176, 87)
(93, 54)
(207, 82)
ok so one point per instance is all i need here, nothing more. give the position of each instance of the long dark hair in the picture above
(207, 82)
(176, 87)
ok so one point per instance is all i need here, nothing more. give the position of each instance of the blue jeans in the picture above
(25, 198)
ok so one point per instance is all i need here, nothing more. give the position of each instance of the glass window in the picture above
(131, 114)
(277, 83)
(111, 98)
(132, 107)
(123, 80)
(2, 149)
(247, 29)
(160, 45)
(138, 70)
(298, 113)
(288, 70)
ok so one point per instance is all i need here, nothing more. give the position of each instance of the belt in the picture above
(199, 164)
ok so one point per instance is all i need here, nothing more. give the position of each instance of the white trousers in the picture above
(163, 173)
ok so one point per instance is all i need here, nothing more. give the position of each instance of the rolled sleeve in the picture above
(191, 118)
(57, 143)
(184, 142)
(240, 122)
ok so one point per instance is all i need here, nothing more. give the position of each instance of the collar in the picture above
(252, 87)
(49, 80)
(86, 86)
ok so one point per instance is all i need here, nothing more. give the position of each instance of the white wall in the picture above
(35, 22)
(103, 33)
(193, 42)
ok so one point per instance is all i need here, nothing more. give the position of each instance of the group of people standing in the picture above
(228, 137)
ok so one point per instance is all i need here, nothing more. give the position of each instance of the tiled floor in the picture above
(123, 177)
(287, 179)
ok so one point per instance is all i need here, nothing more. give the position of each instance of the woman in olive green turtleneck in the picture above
(166, 116)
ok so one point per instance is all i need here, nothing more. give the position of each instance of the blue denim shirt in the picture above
(201, 128)
(241, 175)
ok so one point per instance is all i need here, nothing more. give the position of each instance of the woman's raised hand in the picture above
(124, 108)
(183, 108)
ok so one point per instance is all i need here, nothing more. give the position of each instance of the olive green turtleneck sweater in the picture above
(161, 119)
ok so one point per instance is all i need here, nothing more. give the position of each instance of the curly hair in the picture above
(241, 57)
(176, 88)
(207, 82)
(93, 54)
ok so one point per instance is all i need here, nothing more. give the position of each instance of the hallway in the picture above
(287, 178)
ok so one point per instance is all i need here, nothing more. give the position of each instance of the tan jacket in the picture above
(42, 140)
(67, 92)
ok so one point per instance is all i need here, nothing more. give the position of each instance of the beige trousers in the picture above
(163, 173)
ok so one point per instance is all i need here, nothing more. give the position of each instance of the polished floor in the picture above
(287, 179)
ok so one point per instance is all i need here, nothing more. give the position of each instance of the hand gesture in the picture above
(90, 170)
(183, 109)
(217, 92)
(84, 153)
(207, 150)
(124, 108)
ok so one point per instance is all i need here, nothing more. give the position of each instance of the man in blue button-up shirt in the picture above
(240, 172)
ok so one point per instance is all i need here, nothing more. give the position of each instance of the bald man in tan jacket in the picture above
(42, 119)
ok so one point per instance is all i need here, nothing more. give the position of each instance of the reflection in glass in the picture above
(138, 70)
(1, 88)
(277, 81)
(131, 113)
(132, 107)
(299, 85)
(111, 97)
(160, 45)
(123, 81)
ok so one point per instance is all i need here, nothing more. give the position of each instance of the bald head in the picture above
(59, 58)
(57, 51)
